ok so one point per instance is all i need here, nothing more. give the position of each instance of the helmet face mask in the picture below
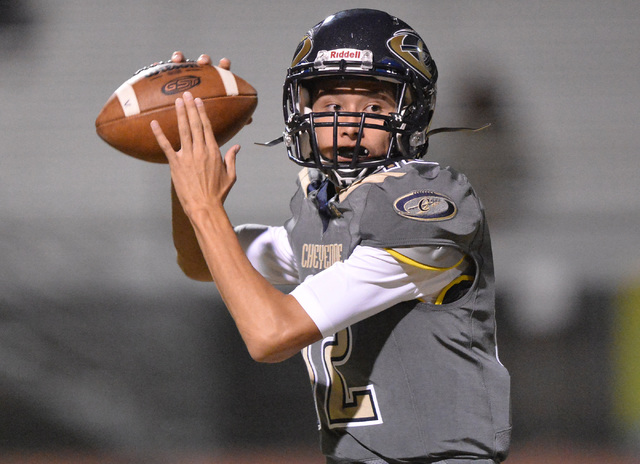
(367, 46)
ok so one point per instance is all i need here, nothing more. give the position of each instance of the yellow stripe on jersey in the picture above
(412, 262)
(454, 282)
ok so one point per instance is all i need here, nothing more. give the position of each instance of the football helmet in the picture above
(362, 44)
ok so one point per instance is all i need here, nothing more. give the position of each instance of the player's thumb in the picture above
(230, 159)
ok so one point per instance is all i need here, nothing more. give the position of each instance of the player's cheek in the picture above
(377, 141)
(324, 137)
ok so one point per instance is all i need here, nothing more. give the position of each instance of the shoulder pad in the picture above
(426, 206)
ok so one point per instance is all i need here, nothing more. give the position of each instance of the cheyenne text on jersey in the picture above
(316, 256)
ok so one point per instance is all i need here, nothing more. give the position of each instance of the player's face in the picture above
(358, 96)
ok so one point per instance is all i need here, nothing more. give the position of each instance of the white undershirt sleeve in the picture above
(269, 251)
(369, 281)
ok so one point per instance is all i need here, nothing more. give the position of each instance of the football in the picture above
(151, 93)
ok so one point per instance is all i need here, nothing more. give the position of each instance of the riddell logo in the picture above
(345, 54)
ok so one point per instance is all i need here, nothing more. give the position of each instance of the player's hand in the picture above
(202, 178)
(203, 60)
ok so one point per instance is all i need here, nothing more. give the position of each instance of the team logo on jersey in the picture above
(425, 205)
(316, 256)
(409, 47)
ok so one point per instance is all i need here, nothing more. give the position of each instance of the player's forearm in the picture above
(189, 256)
(272, 324)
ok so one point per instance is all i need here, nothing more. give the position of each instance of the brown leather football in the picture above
(151, 93)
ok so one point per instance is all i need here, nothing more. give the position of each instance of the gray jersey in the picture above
(417, 382)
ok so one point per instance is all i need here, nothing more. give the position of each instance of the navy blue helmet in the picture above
(363, 44)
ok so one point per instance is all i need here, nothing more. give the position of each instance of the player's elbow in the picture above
(263, 354)
(271, 350)
(199, 276)
(279, 344)
(194, 271)
(268, 356)
(281, 333)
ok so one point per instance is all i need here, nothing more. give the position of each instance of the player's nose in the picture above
(349, 127)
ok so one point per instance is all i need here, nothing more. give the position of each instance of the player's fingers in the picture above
(195, 124)
(177, 57)
(225, 63)
(164, 143)
(209, 136)
(183, 126)
(204, 60)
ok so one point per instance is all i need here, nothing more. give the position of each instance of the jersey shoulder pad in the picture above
(425, 205)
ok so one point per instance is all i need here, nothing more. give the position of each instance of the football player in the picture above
(394, 305)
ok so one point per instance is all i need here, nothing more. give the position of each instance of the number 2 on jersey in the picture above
(343, 404)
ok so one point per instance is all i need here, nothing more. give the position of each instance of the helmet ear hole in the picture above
(305, 146)
(304, 100)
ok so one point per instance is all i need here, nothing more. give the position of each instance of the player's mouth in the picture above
(346, 154)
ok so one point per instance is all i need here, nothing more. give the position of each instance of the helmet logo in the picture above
(345, 53)
(304, 47)
(409, 47)
(355, 59)
(425, 205)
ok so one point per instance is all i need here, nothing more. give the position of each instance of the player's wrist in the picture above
(210, 216)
